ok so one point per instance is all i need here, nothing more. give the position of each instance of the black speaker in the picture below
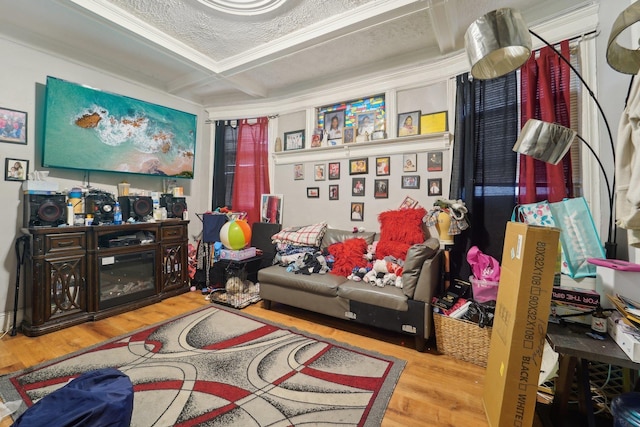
(136, 207)
(175, 205)
(44, 210)
(100, 205)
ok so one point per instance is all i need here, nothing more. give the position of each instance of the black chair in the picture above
(261, 233)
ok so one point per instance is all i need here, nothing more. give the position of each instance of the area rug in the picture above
(220, 367)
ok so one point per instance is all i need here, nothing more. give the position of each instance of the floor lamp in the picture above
(500, 42)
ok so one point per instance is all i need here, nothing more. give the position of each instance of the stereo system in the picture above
(136, 207)
(100, 205)
(175, 205)
(44, 210)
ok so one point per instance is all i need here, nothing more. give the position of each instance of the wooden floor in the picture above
(434, 390)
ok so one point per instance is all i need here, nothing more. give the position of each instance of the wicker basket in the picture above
(462, 339)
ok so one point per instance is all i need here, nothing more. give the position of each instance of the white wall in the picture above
(22, 79)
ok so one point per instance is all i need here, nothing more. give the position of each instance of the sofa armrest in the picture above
(430, 282)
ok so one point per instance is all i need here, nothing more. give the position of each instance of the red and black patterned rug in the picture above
(219, 367)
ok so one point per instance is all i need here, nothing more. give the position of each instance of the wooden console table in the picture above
(78, 274)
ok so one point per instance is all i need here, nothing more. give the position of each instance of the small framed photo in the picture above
(294, 140)
(434, 161)
(381, 189)
(383, 166)
(15, 169)
(357, 186)
(13, 126)
(409, 123)
(319, 172)
(313, 192)
(334, 192)
(411, 181)
(298, 171)
(357, 211)
(366, 123)
(316, 138)
(435, 186)
(358, 166)
(333, 125)
(334, 170)
(408, 203)
(410, 162)
(271, 208)
(349, 135)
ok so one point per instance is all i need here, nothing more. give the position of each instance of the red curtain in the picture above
(252, 167)
(545, 93)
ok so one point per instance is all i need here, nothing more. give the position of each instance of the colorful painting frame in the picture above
(13, 126)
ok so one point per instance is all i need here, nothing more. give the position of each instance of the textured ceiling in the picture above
(228, 52)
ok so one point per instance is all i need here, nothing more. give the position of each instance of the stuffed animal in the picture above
(371, 251)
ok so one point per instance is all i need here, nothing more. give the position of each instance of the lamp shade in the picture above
(544, 141)
(497, 43)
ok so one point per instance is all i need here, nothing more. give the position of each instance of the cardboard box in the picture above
(627, 337)
(520, 324)
(238, 255)
(610, 281)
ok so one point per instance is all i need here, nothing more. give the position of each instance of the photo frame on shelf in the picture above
(294, 140)
(434, 123)
(316, 138)
(411, 181)
(14, 128)
(358, 187)
(381, 189)
(15, 169)
(383, 166)
(334, 170)
(334, 192)
(434, 161)
(319, 172)
(349, 135)
(359, 166)
(410, 162)
(435, 186)
(408, 203)
(333, 126)
(298, 171)
(366, 125)
(409, 123)
(357, 211)
(313, 192)
(271, 208)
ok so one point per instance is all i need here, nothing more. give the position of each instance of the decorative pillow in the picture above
(399, 229)
(310, 235)
(347, 255)
(416, 256)
(335, 235)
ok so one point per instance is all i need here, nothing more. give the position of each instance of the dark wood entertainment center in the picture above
(73, 274)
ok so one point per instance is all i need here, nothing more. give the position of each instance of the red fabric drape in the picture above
(545, 92)
(252, 168)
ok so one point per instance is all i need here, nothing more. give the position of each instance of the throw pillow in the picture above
(399, 229)
(347, 255)
(310, 235)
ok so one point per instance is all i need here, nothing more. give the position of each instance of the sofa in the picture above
(405, 310)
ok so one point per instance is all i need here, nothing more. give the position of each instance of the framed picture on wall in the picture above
(357, 211)
(411, 181)
(409, 123)
(334, 192)
(383, 166)
(410, 162)
(435, 186)
(334, 170)
(294, 140)
(434, 161)
(357, 186)
(14, 128)
(298, 171)
(381, 189)
(15, 169)
(319, 172)
(358, 166)
(313, 192)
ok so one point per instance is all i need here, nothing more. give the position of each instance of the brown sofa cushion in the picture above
(416, 256)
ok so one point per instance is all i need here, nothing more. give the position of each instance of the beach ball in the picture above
(235, 234)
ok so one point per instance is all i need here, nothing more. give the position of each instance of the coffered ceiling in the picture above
(230, 52)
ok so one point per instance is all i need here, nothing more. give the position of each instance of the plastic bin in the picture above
(484, 290)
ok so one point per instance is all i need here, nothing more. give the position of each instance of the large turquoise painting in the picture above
(90, 129)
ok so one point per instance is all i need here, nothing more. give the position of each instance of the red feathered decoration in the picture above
(399, 229)
(347, 255)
